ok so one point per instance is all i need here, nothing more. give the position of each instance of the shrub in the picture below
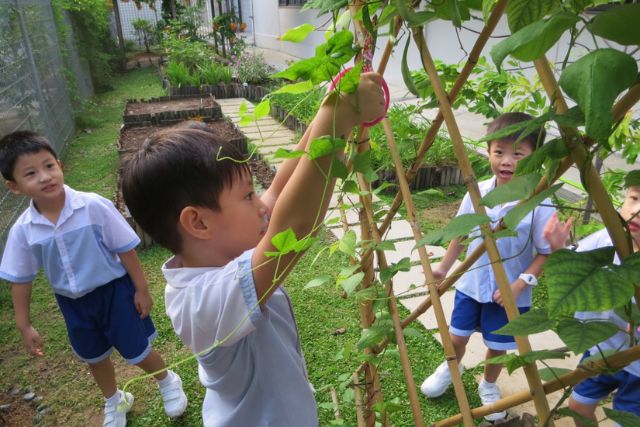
(303, 106)
(214, 73)
(179, 75)
(252, 68)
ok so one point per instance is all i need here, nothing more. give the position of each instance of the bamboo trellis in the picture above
(371, 231)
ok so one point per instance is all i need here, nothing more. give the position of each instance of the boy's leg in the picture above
(105, 376)
(492, 371)
(459, 344)
(586, 410)
(170, 384)
(153, 364)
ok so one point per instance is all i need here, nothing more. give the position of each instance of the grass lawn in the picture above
(90, 164)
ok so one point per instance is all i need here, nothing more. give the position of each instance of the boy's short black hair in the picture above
(176, 168)
(534, 138)
(17, 144)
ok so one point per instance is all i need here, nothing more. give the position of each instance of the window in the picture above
(297, 3)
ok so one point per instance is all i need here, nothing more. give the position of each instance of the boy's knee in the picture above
(587, 411)
(459, 341)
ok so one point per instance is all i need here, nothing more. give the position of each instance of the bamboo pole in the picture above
(531, 372)
(582, 371)
(449, 350)
(357, 396)
(593, 183)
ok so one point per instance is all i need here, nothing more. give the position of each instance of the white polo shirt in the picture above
(517, 252)
(256, 375)
(619, 341)
(78, 253)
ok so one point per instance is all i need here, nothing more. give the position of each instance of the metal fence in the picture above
(33, 89)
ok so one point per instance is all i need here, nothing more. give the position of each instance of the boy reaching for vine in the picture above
(586, 395)
(478, 304)
(87, 251)
(193, 194)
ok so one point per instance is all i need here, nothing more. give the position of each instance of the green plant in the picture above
(144, 31)
(214, 73)
(179, 75)
(252, 68)
(189, 53)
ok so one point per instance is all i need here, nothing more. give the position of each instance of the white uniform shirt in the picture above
(619, 341)
(255, 375)
(517, 252)
(78, 253)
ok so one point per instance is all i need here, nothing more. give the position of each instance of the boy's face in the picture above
(242, 219)
(504, 156)
(629, 211)
(39, 176)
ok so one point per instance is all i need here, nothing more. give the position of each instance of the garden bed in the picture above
(220, 91)
(170, 110)
(426, 177)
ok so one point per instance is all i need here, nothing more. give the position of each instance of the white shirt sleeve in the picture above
(217, 308)
(19, 265)
(466, 207)
(117, 233)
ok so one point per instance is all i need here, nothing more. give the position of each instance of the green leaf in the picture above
(586, 281)
(283, 153)
(373, 335)
(531, 322)
(262, 109)
(594, 82)
(625, 419)
(521, 13)
(521, 129)
(351, 283)
(566, 412)
(413, 333)
(406, 74)
(347, 244)
(459, 226)
(600, 355)
(534, 40)
(318, 281)
(351, 79)
(295, 88)
(515, 215)
(285, 241)
(324, 146)
(581, 336)
(520, 187)
(632, 179)
(338, 169)
(618, 23)
(297, 34)
(573, 118)
(487, 9)
(403, 265)
(513, 361)
(552, 373)
(628, 317)
(554, 149)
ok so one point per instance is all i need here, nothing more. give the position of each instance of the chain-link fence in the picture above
(33, 89)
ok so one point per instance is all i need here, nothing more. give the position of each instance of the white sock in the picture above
(115, 399)
(166, 380)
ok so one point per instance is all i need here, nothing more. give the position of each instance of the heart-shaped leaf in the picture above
(581, 336)
(618, 23)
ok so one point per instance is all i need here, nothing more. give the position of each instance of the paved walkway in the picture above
(269, 135)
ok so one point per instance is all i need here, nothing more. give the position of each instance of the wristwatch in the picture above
(529, 279)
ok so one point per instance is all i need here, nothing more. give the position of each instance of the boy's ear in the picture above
(193, 222)
(59, 164)
(13, 187)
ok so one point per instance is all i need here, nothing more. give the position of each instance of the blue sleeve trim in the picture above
(128, 247)
(16, 279)
(248, 286)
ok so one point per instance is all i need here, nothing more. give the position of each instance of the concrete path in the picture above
(269, 135)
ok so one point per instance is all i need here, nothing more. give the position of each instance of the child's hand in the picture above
(557, 232)
(365, 105)
(32, 341)
(516, 289)
(143, 302)
(439, 273)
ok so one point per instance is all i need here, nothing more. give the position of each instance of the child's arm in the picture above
(557, 232)
(21, 296)
(305, 197)
(519, 285)
(450, 256)
(142, 298)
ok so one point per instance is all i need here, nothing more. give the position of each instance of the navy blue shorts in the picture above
(594, 389)
(107, 318)
(470, 316)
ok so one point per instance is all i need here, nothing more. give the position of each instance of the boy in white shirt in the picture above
(192, 193)
(86, 249)
(589, 393)
(478, 305)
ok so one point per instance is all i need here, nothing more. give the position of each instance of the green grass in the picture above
(91, 162)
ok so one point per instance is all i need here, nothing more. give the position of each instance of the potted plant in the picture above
(243, 26)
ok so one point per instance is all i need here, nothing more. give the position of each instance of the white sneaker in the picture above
(116, 415)
(490, 393)
(175, 401)
(438, 382)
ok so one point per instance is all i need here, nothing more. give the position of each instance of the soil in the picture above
(131, 139)
(21, 413)
(441, 215)
(136, 108)
(262, 172)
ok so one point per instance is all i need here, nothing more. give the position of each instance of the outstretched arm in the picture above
(450, 256)
(142, 298)
(305, 197)
(21, 296)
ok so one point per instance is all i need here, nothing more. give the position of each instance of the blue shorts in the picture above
(594, 389)
(106, 318)
(470, 316)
